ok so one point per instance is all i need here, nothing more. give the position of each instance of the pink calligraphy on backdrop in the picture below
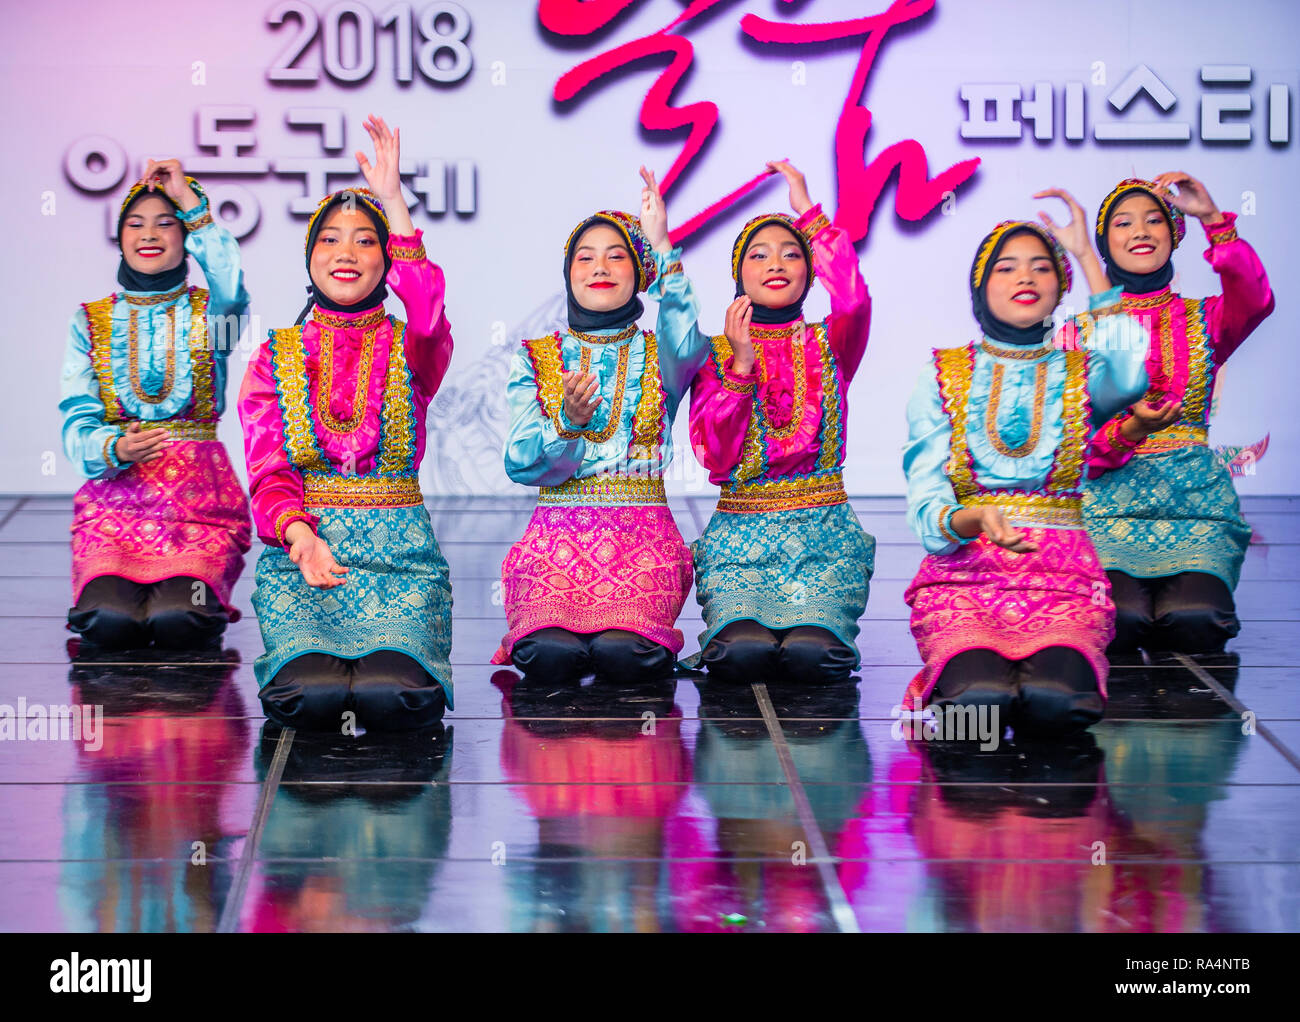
(859, 181)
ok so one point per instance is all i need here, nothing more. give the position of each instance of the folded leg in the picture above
(310, 692)
(1059, 693)
(393, 692)
(554, 653)
(1134, 612)
(184, 613)
(625, 656)
(743, 652)
(815, 655)
(978, 677)
(1194, 613)
(111, 613)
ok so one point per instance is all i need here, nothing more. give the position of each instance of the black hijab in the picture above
(638, 247)
(366, 201)
(764, 314)
(136, 280)
(981, 268)
(1138, 283)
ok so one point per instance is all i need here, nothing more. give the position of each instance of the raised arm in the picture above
(836, 263)
(420, 286)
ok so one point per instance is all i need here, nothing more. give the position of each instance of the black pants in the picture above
(746, 651)
(1191, 612)
(116, 613)
(613, 654)
(1053, 692)
(387, 690)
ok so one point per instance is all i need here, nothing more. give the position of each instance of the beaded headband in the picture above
(1177, 223)
(753, 227)
(979, 270)
(363, 194)
(637, 243)
(138, 189)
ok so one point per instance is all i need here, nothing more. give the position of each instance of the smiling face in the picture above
(774, 270)
(1022, 285)
(602, 275)
(1138, 235)
(347, 261)
(152, 238)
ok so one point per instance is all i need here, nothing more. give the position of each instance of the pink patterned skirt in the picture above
(182, 514)
(590, 568)
(983, 596)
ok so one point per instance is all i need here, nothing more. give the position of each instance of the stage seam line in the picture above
(229, 922)
(1228, 697)
(18, 506)
(841, 912)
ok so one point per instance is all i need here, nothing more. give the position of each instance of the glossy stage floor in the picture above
(680, 809)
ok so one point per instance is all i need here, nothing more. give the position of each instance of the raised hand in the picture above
(579, 403)
(1074, 236)
(654, 215)
(799, 200)
(314, 557)
(1192, 197)
(736, 328)
(383, 177)
(140, 444)
(168, 176)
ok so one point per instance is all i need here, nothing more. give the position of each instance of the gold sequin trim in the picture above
(155, 299)
(1172, 438)
(818, 225)
(831, 406)
(1223, 237)
(605, 489)
(674, 267)
(99, 322)
(782, 494)
(770, 333)
(623, 335)
(111, 459)
(360, 398)
(194, 225)
(133, 359)
(397, 416)
(1113, 437)
(408, 253)
(1152, 302)
(647, 421)
(290, 371)
(1195, 401)
(287, 518)
(1036, 424)
(324, 319)
(1024, 356)
(945, 519)
(548, 362)
(955, 367)
(202, 400)
(328, 489)
(1067, 468)
(1033, 508)
(798, 361)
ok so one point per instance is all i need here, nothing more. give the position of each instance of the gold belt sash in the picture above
(606, 489)
(324, 489)
(179, 429)
(1033, 508)
(1171, 438)
(783, 494)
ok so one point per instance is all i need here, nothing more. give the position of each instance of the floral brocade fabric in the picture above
(183, 514)
(397, 594)
(984, 596)
(588, 569)
(785, 569)
(1163, 514)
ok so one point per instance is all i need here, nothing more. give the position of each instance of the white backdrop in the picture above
(503, 171)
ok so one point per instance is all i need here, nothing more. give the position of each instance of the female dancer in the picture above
(160, 529)
(598, 579)
(783, 568)
(1163, 513)
(353, 595)
(1011, 609)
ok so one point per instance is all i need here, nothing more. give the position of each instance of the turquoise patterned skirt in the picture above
(784, 569)
(1166, 513)
(397, 594)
